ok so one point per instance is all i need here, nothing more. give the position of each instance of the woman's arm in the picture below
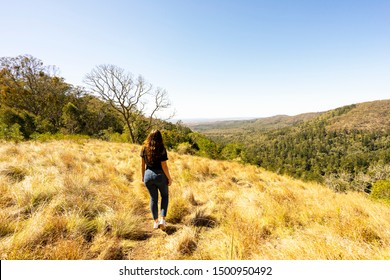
(143, 168)
(165, 168)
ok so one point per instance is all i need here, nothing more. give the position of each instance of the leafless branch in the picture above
(125, 94)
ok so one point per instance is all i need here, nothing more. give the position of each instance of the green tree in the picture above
(71, 118)
(26, 84)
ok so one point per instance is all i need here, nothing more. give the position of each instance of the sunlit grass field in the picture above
(85, 200)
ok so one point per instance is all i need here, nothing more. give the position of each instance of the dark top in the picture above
(157, 163)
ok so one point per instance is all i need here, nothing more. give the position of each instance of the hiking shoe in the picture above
(162, 225)
(155, 225)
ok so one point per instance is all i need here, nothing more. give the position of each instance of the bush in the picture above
(23, 119)
(185, 149)
(43, 137)
(231, 152)
(111, 136)
(11, 132)
(339, 182)
(381, 190)
(204, 146)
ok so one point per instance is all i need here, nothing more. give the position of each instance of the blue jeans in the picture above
(156, 181)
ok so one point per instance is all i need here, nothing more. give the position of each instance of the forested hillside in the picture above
(37, 104)
(348, 147)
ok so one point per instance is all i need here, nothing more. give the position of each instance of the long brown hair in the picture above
(154, 145)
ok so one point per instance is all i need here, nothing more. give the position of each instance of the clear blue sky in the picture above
(217, 58)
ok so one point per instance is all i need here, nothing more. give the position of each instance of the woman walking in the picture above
(155, 175)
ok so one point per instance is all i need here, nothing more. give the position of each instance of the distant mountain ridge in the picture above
(233, 127)
(374, 115)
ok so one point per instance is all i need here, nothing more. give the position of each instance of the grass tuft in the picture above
(201, 219)
(14, 173)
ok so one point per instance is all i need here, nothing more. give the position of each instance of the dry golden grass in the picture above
(85, 200)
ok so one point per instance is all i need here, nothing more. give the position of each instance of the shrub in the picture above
(381, 190)
(231, 152)
(185, 149)
(111, 136)
(47, 136)
(22, 121)
(11, 132)
(339, 182)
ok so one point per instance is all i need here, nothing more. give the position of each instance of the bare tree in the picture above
(130, 97)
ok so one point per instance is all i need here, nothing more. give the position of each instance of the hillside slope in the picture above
(369, 116)
(85, 200)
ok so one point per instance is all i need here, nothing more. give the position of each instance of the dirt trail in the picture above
(152, 242)
(151, 247)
